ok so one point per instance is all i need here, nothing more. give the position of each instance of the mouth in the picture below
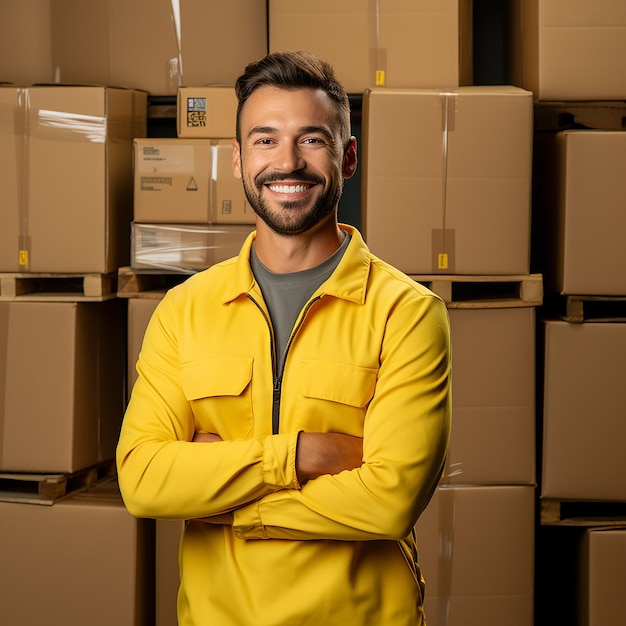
(289, 189)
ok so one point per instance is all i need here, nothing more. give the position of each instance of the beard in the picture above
(289, 218)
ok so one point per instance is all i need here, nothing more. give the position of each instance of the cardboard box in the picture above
(185, 248)
(563, 50)
(207, 112)
(602, 577)
(579, 217)
(140, 311)
(584, 415)
(62, 384)
(25, 42)
(168, 536)
(148, 45)
(493, 397)
(446, 179)
(476, 549)
(188, 181)
(84, 560)
(66, 177)
(395, 43)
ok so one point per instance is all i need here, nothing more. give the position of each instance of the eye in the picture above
(313, 141)
(264, 141)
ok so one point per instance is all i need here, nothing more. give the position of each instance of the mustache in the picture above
(303, 177)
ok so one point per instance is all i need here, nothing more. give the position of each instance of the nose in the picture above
(288, 157)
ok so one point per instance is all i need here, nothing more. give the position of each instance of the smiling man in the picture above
(293, 403)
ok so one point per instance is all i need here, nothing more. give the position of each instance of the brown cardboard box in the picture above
(25, 42)
(493, 397)
(446, 179)
(476, 548)
(188, 181)
(584, 415)
(146, 45)
(168, 536)
(207, 112)
(185, 248)
(579, 212)
(395, 43)
(140, 311)
(62, 384)
(84, 560)
(66, 177)
(564, 50)
(602, 577)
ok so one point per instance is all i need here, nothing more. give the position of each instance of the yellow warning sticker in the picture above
(442, 261)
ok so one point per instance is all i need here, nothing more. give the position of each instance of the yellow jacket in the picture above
(369, 356)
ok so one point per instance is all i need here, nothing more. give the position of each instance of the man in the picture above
(293, 403)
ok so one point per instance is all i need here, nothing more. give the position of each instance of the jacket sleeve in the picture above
(405, 440)
(161, 472)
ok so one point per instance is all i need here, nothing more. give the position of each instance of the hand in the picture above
(207, 437)
(327, 453)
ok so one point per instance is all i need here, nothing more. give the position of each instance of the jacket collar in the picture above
(348, 281)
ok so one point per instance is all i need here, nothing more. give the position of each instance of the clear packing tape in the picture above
(443, 238)
(378, 55)
(29, 124)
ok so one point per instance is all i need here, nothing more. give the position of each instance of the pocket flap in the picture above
(216, 377)
(338, 382)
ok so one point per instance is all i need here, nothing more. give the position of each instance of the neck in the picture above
(283, 254)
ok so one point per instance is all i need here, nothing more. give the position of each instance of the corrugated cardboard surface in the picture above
(187, 181)
(140, 45)
(168, 536)
(455, 162)
(564, 50)
(68, 173)
(493, 397)
(584, 414)
(80, 561)
(208, 112)
(602, 577)
(185, 248)
(140, 311)
(417, 43)
(476, 550)
(580, 199)
(62, 382)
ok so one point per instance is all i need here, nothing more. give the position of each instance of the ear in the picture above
(350, 159)
(237, 159)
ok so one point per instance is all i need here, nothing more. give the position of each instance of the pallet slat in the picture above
(579, 309)
(61, 287)
(132, 284)
(572, 513)
(461, 291)
(48, 488)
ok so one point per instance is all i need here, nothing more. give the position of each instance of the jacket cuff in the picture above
(279, 461)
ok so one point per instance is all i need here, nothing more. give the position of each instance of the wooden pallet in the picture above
(48, 488)
(58, 287)
(579, 309)
(572, 513)
(466, 292)
(600, 115)
(133, 284)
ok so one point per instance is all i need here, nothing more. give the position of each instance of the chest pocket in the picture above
(334, 396)
(219, 391)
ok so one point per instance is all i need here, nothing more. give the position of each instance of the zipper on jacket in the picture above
(278, 377)
(278, 382)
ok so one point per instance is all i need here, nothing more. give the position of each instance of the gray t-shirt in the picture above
(286, 294)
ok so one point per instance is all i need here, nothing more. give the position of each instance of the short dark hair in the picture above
(294, 70)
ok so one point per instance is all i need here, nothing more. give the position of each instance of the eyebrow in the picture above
(268, 130)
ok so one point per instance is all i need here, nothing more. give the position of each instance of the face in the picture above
(291, 158)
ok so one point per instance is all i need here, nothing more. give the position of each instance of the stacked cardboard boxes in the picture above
(66, 201)
(571, 55)
(446, 188)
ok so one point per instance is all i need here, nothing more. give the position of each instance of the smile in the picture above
(290, 188)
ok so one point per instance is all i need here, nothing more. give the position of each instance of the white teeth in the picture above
(288, 188)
